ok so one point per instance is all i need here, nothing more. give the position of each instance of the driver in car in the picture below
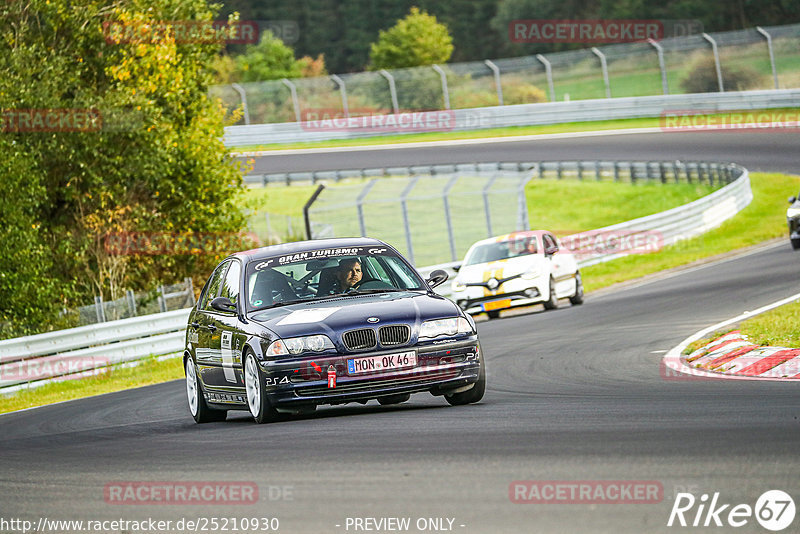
(348, 275)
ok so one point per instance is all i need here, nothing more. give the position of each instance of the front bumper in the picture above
(441, 367)
(475, 305)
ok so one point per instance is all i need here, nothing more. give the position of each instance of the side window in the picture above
(230, 287)
(550, 243)
(376, 266)
(213, 286)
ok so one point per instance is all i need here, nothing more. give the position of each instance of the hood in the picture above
(336, 315)
(481, 272)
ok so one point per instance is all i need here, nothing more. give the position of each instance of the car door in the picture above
(562, 265)
(229, 328)
(208, 353)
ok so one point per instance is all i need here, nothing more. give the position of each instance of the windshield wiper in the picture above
(368, 291)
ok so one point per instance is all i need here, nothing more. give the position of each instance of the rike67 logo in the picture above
(774, 510)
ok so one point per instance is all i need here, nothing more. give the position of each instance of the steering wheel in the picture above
(364, 281)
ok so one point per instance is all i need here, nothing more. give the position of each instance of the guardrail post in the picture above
(663, 171)
(661, 65)
(360, 206)
(99, 310)
(392, 89)
(604, 67)
(675, 172)
(616, 171)
(580, 170)
(445, 90)
(162, 298)
(404, 209)
(243, 95)
(597, 172)
(768, 37)
(445, 198)
(190, 289)
(558, 170)
(522, 214)
(715, 51)
(343, 90)
(486, 208)
(307, 207)
(548, 70)
(132, 301)
(496, 71)
(540, 170)
(295, 101)
(632, 171)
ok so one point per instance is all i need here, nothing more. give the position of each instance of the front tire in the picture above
(257, 402)
(197, 403)
(471, 395)
(552, 302)
(577, 298)
(493, 314)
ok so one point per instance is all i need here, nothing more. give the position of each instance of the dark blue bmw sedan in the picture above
(285, 328)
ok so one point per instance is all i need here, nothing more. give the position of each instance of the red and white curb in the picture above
(733, 356)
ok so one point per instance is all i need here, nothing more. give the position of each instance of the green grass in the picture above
(763, 219)
(568, 127)
(777, 328)
(150, 371)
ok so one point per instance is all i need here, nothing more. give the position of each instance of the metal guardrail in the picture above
(85, 350)
(674, 225)
(526, 115)
(77, 351)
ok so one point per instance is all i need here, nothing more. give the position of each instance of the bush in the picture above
(523, 93)
(702, 77)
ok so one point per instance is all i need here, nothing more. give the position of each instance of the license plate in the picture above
(496, 305)
(381, 363)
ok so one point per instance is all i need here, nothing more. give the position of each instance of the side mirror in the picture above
(456, 267)
(792, 200)
(549, 251)
(223, 304)
(437, 278)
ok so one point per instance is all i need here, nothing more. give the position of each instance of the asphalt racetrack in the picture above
(576, 394)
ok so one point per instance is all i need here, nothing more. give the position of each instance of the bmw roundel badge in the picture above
(372, 319)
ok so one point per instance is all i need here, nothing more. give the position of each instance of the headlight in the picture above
(296, 345)
(792, 212)
(445, 327)
(457, 286)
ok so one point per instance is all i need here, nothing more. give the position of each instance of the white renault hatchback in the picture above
(516, 269)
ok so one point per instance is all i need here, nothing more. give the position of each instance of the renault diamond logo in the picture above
(492, 283)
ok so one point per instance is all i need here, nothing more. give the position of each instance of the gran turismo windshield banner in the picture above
(323, 254)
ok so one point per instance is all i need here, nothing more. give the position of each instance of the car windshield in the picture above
(501, 250)
(320, 274)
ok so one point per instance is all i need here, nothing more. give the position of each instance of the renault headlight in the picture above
(791, 213)
(445, 327)
(297, 345)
